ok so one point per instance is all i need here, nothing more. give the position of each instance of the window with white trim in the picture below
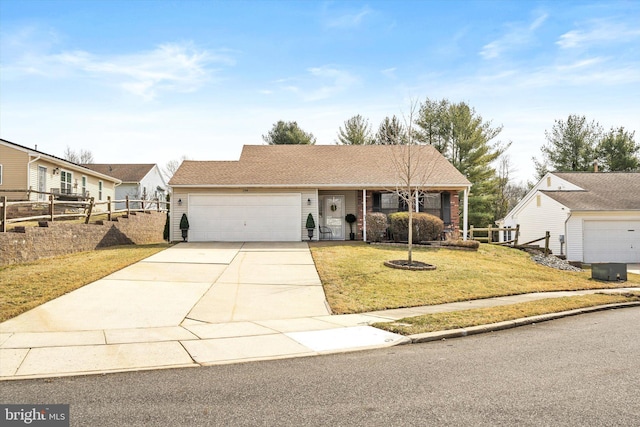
(84, 186)
(65, 182)
(100, 190)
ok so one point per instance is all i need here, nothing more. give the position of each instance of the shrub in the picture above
(471, 244)
(184, 222)
(310, 222)
(376, 226)
(425, 226)
(165, 232)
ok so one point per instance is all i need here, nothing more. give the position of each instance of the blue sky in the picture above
(144, 81)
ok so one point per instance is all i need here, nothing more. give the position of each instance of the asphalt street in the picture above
(582, 370)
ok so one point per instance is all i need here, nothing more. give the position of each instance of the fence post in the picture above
(546, 243)
(3, 225)
(108, 208)
(86, 221)
(471, 232)
(489, 234)
(158, 204)
(51, 209)
(517, 234)
(126, 200)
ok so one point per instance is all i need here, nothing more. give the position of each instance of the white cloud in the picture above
(331, 80)
(170, 67)
(347, 20)
(599, 32)
(516, 36)
(389, 72)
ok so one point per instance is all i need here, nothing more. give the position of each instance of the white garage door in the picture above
(612, 241)
(245, 218)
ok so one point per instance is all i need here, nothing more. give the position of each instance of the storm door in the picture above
(42, 182)
(334, 215)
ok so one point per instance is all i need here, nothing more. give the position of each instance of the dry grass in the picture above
(483, 316)
(355, 279)
(25, 286)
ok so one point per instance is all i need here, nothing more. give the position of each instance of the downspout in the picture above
(364, 215)
(29, 173)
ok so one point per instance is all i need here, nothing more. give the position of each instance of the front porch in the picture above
(334, 205)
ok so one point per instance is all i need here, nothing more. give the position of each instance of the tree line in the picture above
(470, 143)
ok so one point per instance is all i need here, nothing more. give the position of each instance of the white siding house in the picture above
(597, 215)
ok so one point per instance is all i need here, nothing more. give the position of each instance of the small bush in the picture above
(471, 244)
(376, 226)
(425, 226)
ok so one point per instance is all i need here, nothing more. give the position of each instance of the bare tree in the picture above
(82, 157)
(413, 164)
(172, 166)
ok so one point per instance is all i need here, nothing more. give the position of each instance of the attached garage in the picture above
(611, 241)
(245, 217)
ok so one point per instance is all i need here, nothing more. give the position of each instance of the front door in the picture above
(42, 182)
(334, 215)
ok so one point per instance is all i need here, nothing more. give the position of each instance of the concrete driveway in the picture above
(191, 304)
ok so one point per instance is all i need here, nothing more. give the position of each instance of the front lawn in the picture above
(483, 316)
(356, 281)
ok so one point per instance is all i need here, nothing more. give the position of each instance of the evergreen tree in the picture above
(391, 132)
(356, 131)
(288, 133)
(571, 146)
(618, 151)
(464, 138)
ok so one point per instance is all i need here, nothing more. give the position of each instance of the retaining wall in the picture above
(61, 237)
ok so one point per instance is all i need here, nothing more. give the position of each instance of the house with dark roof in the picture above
(268, 193)
(592, 217)
(139, 181)
(29, 174)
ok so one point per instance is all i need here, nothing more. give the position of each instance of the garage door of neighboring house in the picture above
(245, 218)
(612, 241)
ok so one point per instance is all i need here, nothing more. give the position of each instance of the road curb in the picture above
(508, 324)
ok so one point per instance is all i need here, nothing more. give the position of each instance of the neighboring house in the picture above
(23, 168)
(596, 214)
(268, 194)
(139, 181)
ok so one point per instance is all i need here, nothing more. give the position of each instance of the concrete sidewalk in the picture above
(199, 304)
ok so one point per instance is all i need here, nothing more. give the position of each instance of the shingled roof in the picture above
(612, 191)
(345, 166)
(127, 173)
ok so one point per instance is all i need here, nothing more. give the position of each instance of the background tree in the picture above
(508, 193)
(618, 151)
(390, 132)
(465, 139)
(571, 146)
(356, 131)
(83, 157)
(435, 124)
(288, 133)
(172, 166)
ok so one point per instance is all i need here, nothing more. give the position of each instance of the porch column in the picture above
(465, 212)
(364, 215)
(417, 198)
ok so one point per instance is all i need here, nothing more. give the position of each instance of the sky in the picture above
(142, 81)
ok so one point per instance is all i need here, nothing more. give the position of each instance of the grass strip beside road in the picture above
(355, 279)
(484, 316)
(25, 286)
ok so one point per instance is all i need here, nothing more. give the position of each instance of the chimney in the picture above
(595, 166)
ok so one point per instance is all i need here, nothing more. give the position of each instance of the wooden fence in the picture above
(75, 209)
(513, 242)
